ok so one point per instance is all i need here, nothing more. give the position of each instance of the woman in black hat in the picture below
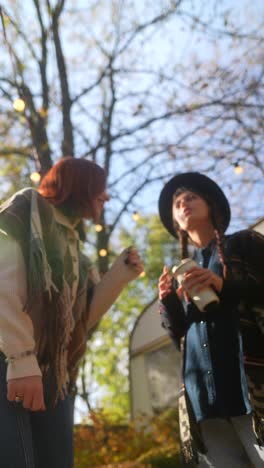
(221, 402)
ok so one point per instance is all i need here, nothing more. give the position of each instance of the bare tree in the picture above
(97, 84)
(151, 117)
(144, 88)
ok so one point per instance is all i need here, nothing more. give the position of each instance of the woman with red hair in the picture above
(51, 297)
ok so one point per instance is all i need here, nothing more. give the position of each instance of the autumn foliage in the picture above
(138, 444)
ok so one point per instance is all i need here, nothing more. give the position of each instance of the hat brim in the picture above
(199, 183)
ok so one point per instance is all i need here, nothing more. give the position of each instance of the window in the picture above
(163, 371)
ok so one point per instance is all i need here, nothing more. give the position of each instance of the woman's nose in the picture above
(184, 202)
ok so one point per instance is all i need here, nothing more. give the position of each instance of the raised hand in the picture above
(128, 265)
(165, 285)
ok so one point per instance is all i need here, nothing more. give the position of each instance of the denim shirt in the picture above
(213, 370)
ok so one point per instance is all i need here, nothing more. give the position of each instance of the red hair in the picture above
(73, 182)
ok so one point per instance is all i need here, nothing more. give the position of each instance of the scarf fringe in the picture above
(188, 453)
(59, 321)
(60, 324)
(258, 427)
(190, 433)
(40, 274)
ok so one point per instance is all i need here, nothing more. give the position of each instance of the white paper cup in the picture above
(200, 298)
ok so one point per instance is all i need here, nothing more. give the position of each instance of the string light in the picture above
(238, 169)
(19, 105)
(103, 253)
(98, 227)
(35, 177)
(142, 274)
(135, 216)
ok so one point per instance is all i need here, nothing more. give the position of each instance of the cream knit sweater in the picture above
(16, 328)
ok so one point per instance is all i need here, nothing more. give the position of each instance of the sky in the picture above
(185, 45)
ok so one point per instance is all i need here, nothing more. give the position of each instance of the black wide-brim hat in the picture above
(198, 183)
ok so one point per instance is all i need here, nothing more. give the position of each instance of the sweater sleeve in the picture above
(245, 254)
(16, 329)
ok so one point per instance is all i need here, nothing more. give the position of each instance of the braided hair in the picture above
(219, 235)
(217, 224)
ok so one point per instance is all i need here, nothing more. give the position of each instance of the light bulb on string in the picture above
(238, 169)
(35, 177)
(142, 274)
(98, 227)
(135, 216)
(103, 252)
(19, 105)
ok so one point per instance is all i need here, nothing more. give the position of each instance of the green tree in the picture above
(110, 376)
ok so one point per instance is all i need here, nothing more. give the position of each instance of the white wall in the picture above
(259, 227)
(154, 366)
(147, 330)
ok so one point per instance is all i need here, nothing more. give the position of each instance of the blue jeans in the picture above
(42, 439)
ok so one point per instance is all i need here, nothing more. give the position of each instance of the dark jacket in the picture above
(242, 296)
(243, 288)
